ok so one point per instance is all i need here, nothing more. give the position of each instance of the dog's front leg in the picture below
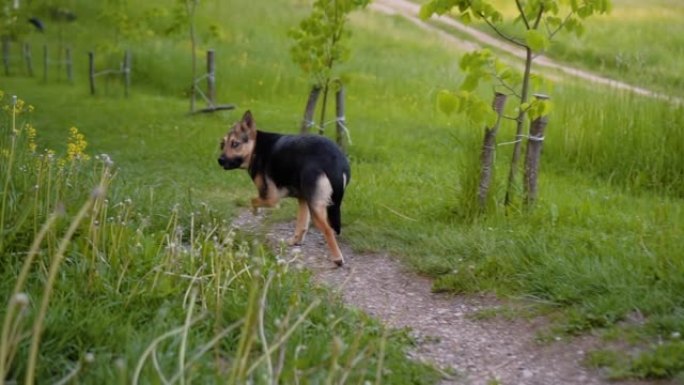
(261, 202)
(268, 193)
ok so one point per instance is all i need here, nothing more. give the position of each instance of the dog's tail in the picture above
(334, 212)
(335, 217)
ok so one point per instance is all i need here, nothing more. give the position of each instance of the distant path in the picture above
(410, 10)
(446, 328)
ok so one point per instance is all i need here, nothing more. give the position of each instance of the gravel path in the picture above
(474, 351)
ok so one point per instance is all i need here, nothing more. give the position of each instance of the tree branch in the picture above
(500, 33)
(522, 14)
(539, 17)
(562, 24)
(505, 85)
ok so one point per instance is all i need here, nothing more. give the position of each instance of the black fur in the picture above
(295, 162)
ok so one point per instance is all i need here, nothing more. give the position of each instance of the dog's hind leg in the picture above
(317, 190)
(302, 223)
(320, 219)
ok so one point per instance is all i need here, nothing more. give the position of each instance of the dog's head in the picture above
(238, 144)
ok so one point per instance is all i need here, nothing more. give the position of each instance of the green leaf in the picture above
(447, 102)
(426, 11)
(470, 82)
(536, 40)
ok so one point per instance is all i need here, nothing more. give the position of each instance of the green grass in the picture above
(126, 298)
(603, 242)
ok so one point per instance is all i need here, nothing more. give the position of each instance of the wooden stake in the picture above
(489, 150)
(91, 71)
(533, 154)
(45, 62)
(6, 54)
(28, 59)
(307, 122)
(126, 70)
(340, 124)
(69, 65)
(211, 78)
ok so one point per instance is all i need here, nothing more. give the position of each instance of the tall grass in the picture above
(95, 296)
(634, 142)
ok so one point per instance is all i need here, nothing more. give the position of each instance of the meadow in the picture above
(154, 274)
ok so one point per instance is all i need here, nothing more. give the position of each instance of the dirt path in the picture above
(473, 351)
(409, 10)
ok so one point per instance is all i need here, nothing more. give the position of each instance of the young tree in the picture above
(536, 23)
(319, 47)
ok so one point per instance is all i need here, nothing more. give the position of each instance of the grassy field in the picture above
(603, 244)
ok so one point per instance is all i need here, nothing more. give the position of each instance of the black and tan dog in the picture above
(310, 168)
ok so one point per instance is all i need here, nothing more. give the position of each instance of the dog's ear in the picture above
(248, 120)
(248, 126)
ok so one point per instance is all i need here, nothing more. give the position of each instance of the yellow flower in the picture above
(76, 145)
(31, 134)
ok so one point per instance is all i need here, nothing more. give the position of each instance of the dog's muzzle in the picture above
(229, 163)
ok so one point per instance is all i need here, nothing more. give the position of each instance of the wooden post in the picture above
(308, 121)
(27, 59)
(489, 150)
(532, 155)
(211, 79)
(342, 135)
(321, 125)
(69, 65)
(91, 71)
(45, 62)
(6, 54)
(126, 70)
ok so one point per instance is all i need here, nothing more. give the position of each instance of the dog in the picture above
(311, 168)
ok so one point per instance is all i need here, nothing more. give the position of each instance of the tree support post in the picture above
(69, 65)
(342, 134)
(489, 150)
(533, 154)
(211, 78)
(126, 71)
(6, 54)
(28, 59)
(91, 71)
(310, 109)
(45, 62)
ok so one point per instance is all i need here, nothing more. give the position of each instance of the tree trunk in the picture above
(488, 151)
(520, 123)
(308, 120)
(342, 135)
(532, 155)
(321, 125)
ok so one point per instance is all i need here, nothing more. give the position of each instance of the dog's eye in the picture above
(234, 144)
(222, 144)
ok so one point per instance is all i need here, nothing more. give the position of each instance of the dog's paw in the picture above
(339, 262)
(294, 241)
